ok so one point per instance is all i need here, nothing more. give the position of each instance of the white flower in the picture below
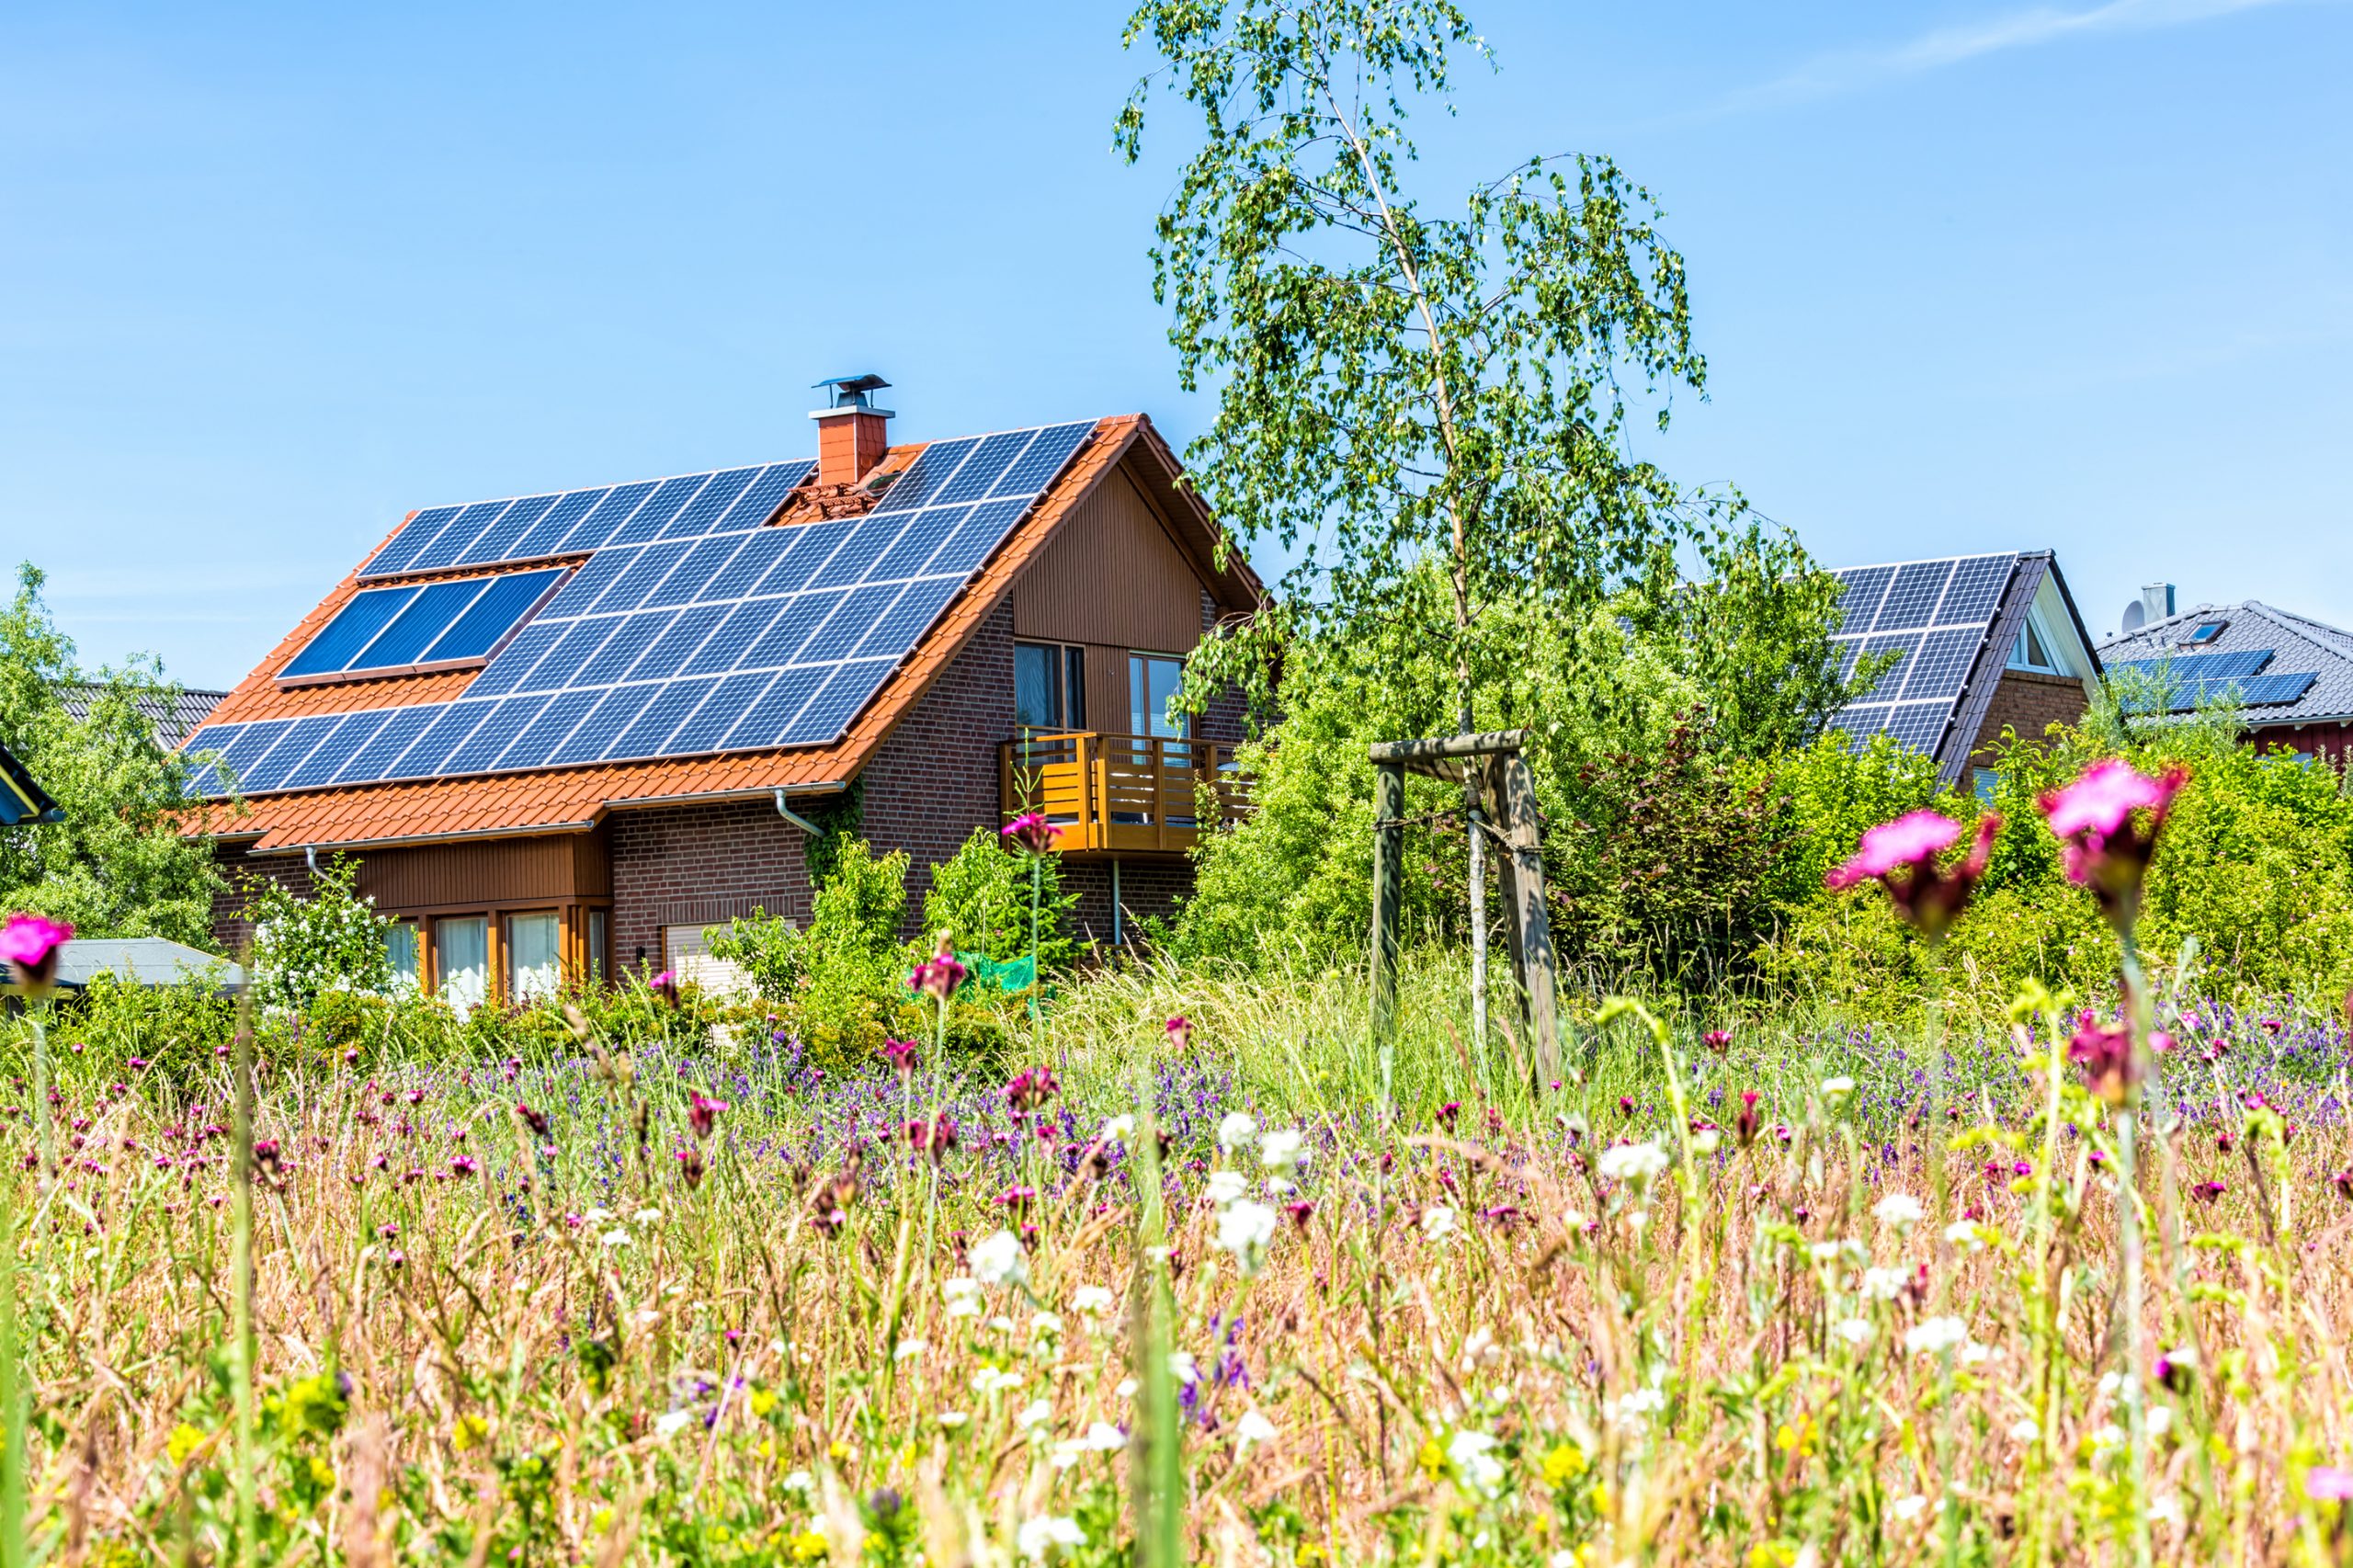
(671, 1422)
(1224, 1186)
(1437, 1223)
(1472, 1455)
(2109, 1436)
(1092, 1300)
(908, 1350)
(649, 1216)
(1883, 1284)
(1966, 1234)
(1906, 1509)
(2167, 1509)
(1825, 1251)
(1564, 1558)
(1900, 1210)
(1936, 1336)
(1857, 1331)
(1046, 1325)
(1280, 1151)
(798, 1480)
(1705, 1140)
(1972, 1353)
(2184, 1357)
(1633, 1409)
(2025, 1431)
(951, 1419)
(995, 1380)
(1238, 1130)
(1127, 1389)
(1637, 1163)
(1244, 1230)
(962, 1296)
(617, 1238)
(1118, 1127)
(1837, 1090)
(1253, 1428)
(1032, 1414)
(999, 1260)
(1181, 1367)
(1037, 1538)
(1103, 1438)
(2160, 1420)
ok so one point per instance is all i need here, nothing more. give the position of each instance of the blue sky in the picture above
(1969, 274)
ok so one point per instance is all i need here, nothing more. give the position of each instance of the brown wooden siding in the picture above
(502, 871)
(1113, 577)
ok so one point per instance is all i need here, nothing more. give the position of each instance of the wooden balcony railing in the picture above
(1121, 794)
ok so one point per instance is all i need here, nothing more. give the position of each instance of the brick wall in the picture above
(230, 929)
(935, 779)
(701, 865)
(1147, 888)
(2027, 703)
(2333, 742)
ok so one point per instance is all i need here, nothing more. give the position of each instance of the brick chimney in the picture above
(852, 434)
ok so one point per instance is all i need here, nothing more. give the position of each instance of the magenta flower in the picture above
(1029, 832)
(1301, 1210)
(666, 985)
(1180, 1031)
(901, 1056)
(1030, 1089)
(462, 1165)
(938, 975)
(2108, 821)
(2207, 1191)
(2328, 1483)
(1902, 856)
(691, 1165)
(1717, 1041)
(934, 1137)
(2106, 1060)
(702, 1114)
(535, 1119)
(1744, 1125)
(28, 946)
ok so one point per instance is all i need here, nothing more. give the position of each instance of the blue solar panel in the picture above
(644, 575)
(702, 514)
(1941, 667)
(417, 627)
(378, 757)
(918, 606)
(414, 536)
(505, 721)
(497, 542)
(1913, 598)
(1043, 462)
(760, 555)
(1918, 725)
(812, 545)
(981, 471)
(354, 627)
(831, 709)
(430, 755)
(695, 572)
(615, 712)
(672, 650)
(546, 537)
(848, 626)
(673, 702)
(718, 713)
(664, 504)
(464, 529)
(490, 618)
(512, 670)
(857, 556)
(338, 748)
(929, 474)
(759, 503)
(621, 649)
(733, 638)
(978, 538)
(772, 715)
(202, 758)
(2197, 667)
(1975, 590)
(294, 741)
(597, 530)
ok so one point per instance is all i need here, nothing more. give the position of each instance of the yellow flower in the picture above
(1770, 1554)
(1801, 1439)
(469, 1431)
(186, 1439)
(808, 1546)
(601, 1520)
(1313, 1556)
(1432, 1458)
(838, 1452)
(1564, 1463)
(763, 1401)
(321, 1472)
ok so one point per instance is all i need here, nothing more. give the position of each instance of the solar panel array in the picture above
(574, 522)
(690, 643)
(2184, 684)
(1935, 616)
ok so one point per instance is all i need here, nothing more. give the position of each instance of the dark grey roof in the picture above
(174, 715)
(1954, 619)
(2298, 646)
(149, 961)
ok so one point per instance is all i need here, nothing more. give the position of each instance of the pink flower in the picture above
(1902, 855)
(1030, 1089)
(1029, 832)
(534, 1119)
(938, 975)
(29, 945)
(2107, 846)
(901, 1054)
(703, 1114)
(1717, 1041)
(2328, 1483)
(934, 1137)
(2110, 1067)
(1180, 1030)
(666, 985)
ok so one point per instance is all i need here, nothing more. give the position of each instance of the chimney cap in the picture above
(853, 391)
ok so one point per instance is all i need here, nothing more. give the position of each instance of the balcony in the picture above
(1121, 794)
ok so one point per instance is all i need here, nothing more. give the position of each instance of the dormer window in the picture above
(2204, 633)
(439, 626)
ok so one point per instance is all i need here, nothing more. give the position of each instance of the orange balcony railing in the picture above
(1122, 794)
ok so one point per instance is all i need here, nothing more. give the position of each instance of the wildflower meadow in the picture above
(1192, 1271)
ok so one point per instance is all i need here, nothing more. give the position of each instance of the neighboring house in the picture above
(1987, 643)
(566, 733)
(2289, 676)
(138, 961)
(175, 717)
(22, 798)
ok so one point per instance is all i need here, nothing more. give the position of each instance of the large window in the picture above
(400, 951)
(461, 962)
(1153, 679)
(2032, 650)
(534, 955)
(598, 923)
(1048, 686)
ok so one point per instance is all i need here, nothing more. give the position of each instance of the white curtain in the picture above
(461, 962)
(535, 965)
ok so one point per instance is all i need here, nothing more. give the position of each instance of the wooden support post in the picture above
(1388, 892)
(1539, 965)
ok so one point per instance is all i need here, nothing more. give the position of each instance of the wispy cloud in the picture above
(1846, 71)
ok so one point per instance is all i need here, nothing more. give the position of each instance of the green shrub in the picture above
(980, 897)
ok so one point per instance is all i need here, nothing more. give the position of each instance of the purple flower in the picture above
(1029, 832)
(536, 1120)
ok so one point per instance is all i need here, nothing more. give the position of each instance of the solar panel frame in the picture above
(338, 747)
(412, 537)
(2198, 666)
(407, 635)
(383, 753)
(667, 502)
(701, 515)
(504, 605)
(497, 541)
(361, 620)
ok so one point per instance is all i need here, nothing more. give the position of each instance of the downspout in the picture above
(311, 858)
(795, 818)
(1118, 937)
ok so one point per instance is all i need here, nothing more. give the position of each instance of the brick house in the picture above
(564, 733)
(2289, 676)
(1983, 643)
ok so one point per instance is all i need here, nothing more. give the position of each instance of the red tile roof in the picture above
(571, 799)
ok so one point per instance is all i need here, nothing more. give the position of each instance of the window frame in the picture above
(1069, 673)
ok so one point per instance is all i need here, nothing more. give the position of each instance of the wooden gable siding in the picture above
(556, 868)
(1113, 577)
